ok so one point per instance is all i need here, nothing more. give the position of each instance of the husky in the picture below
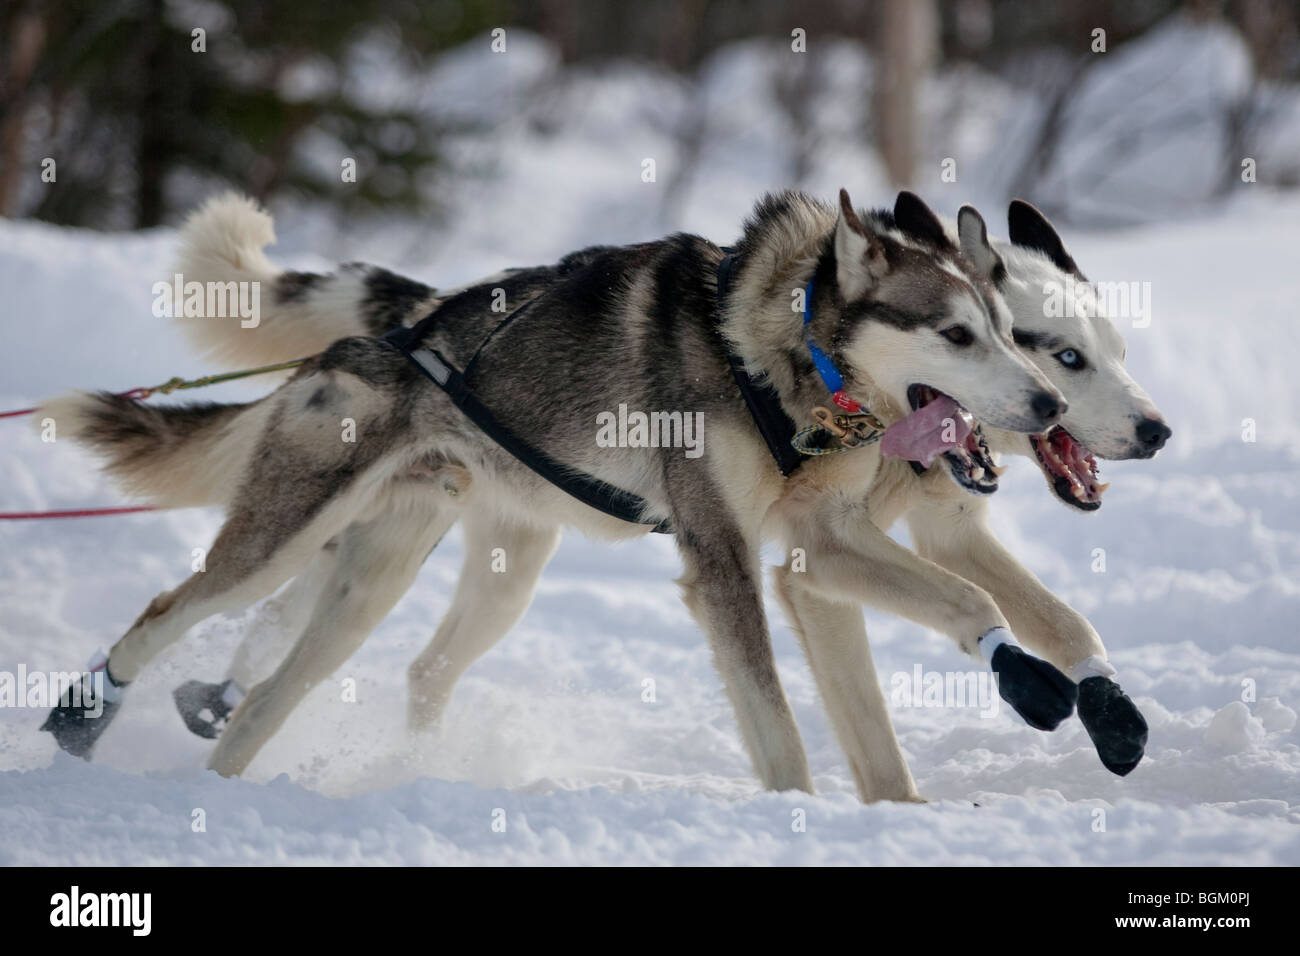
(902, 319)
(1080, 351)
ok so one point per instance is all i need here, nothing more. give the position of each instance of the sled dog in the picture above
(904, 317)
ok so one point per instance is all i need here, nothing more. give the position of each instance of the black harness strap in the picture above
(776, 427)
(591, 491)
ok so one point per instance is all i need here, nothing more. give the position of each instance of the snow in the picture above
(1198, 600)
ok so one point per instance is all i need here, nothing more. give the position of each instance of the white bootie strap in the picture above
(1091, 667)
(111, 692)
(994, 638)
(232, 693)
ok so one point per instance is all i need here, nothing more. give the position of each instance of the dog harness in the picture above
(787, 444)
(588, 489)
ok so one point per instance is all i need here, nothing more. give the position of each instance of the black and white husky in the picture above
(905, 320)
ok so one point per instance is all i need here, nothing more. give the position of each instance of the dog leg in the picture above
(849, 558)
(957, 536)
(304, 482)
(487, 605)
(284, 618)
(376, 562)
(834, 640)
(206, 707)
(722, 588)
(258, 549)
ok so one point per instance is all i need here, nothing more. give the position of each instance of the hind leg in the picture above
(206, 707)
(258, 549)
(487, 604)
(302, 485)
(376, 562)
(282, 620)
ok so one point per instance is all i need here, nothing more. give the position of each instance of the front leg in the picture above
(850, 559)
(954, 532)
(722, 589)
(834, 640)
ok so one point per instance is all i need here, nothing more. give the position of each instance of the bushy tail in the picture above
(173, 456)
(300, 313)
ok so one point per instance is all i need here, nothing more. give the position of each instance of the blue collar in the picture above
(830, 375)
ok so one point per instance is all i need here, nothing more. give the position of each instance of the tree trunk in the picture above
(25, 46)
(908, 40)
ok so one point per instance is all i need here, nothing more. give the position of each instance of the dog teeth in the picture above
(1101, 489)
(977, 473)
(998, 470)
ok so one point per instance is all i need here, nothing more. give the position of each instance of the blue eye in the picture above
(1070, 359)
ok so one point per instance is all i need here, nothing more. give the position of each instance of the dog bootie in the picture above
(1036, 690)
(85, 710)
(1117, 728)
(206, 708)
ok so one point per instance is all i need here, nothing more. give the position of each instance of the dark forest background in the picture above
(115, 89)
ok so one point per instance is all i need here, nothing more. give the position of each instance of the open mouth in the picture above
(969, 459)
(1070, 468)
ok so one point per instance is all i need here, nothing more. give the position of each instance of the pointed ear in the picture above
(1028, 227)
(975, 245)
(859, 254)
(915, 218)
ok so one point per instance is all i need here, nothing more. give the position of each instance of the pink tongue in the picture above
(928, 432)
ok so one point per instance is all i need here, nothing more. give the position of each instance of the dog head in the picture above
(906, 316)
(1062, 326)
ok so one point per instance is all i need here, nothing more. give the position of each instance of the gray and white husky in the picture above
(905, 317)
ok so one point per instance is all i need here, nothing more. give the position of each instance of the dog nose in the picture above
(1047, 406)
(1152, 434)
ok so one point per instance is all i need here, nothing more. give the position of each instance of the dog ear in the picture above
(975, 246)
(859, 253)
(1028, 227)
(915, 218)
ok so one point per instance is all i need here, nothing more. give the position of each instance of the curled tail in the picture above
(299, 313)
(173, 456)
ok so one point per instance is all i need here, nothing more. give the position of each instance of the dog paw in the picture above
(1036, 690)
(76, 727)
(206, 708)
(1116, 726)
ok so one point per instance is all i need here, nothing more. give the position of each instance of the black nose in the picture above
(1047, 407)
(1152, 434)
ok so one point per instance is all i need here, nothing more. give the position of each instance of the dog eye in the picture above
(1071, 359)
(958, 335)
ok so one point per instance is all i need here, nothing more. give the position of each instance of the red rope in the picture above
(139, 393)
(77, 513)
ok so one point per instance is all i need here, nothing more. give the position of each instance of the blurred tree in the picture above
(1271, 28)
(907, 44)
(141, 125)
(125, 102)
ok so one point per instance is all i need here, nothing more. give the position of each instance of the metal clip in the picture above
(849, 430)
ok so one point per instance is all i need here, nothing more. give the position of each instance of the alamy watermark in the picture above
(44, 689)
(209, 300)
(922, 688)
(651, 430)
(133, 911)
(1087, 300)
